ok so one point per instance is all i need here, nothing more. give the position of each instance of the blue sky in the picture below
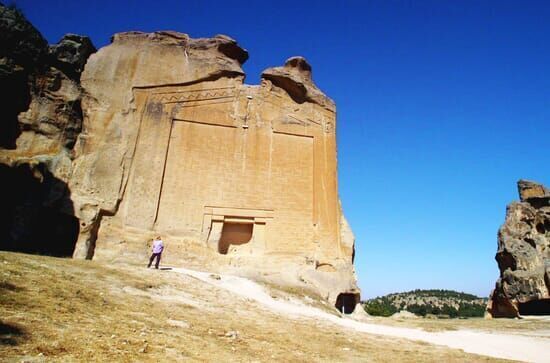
(442, 107)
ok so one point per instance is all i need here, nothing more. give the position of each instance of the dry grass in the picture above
(528, 326)
(67, 310)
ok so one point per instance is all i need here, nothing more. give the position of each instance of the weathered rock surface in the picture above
(71, 54)
(22, 50)
(161, 136)
(41, 118)
(295, 78)
(523, 256)
(175, 144)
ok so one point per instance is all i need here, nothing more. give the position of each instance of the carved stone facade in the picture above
(208, 156)
(156, 133)
(174, 143)
(238, 154)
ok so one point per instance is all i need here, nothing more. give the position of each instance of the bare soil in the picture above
(532, 326)
(55, 309)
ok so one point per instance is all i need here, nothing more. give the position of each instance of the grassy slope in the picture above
(73, 310)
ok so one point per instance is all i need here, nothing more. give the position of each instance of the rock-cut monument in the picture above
(173, 142)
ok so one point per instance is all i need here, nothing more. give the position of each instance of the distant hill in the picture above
(443, 303)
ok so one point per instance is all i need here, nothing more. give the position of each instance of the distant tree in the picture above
(449, 310)
(379, 307)
(417, 309)
(471, 310)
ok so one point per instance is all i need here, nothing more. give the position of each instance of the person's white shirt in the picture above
(158, 246)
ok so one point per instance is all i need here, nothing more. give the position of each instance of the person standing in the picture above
(158, 247)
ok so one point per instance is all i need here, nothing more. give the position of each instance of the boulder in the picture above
(529, 190)
(295, 78)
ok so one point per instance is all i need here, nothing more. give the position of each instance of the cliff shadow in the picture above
(15, 99)
(11, 334)
(37, 214)
(535, 307)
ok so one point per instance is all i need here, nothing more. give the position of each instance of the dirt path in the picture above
(507, 346)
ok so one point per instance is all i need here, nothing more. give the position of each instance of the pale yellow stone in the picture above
(174, 143)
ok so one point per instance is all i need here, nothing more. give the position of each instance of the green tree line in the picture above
(385, 306)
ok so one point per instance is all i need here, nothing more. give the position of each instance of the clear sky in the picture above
(442, 107)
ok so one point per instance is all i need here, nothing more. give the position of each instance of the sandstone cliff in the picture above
(156, 133)
(175, 143)
(523, 256)
(41, 119)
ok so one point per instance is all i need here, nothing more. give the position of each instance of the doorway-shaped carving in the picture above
(234, 234)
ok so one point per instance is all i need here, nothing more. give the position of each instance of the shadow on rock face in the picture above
(10, 334)
(37, 215)
(15, 99)
(22, 49)
(346, 302)
(535, 307)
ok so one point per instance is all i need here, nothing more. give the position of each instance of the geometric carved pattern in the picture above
(194, 95)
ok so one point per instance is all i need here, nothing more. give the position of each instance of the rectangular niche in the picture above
(234, 234)
(225, 227)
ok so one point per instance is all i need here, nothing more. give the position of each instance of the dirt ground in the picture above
(55, 309)
(530, 326)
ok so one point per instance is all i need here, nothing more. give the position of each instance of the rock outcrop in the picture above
(159, 135)
(176, 144)
(41, 119)
(523, 256)
(295, 78)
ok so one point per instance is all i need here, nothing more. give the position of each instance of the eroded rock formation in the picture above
(523, 256)
(175, 143)
(41, 119)
(161, 136)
